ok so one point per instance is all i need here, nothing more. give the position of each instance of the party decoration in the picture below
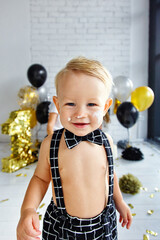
(123, 144)
(122, 88)
(144, 189)
(129, 184)
(42, 112)
(33, 120)
(151, 232)
(22, 152)
(133, 214)
(28, 98)
(4, 200)
(116, 105)
(145, 237)
(42, 205)
(152, 195)
(157, 189)
(37, 75)
(150, 212)
(142, 98)
(19, 175)
(132, 153)
(127, 114)
(42, 92)
(130, 205)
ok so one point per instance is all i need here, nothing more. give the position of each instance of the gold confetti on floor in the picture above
(145, 237)
(42, 205)
(133, 214)
(130, 205)
(151, 232)
(19, 175)
(157, 189)
(150, 212)
(152, 195)
(4, 200)
(144, 189)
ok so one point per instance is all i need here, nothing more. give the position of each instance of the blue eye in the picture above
(70, 104)
(91, 104)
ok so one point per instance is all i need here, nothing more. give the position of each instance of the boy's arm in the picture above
(40, 180)
(124, 211)
(28, 225)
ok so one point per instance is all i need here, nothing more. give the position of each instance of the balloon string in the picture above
(128, 136)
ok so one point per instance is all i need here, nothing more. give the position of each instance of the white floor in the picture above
(13, 187)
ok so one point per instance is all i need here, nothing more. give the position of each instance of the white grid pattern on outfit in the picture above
(58, 224)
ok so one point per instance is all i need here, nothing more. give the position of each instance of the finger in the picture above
(35, 223)
(120, 218)
(31, 232)
(124, 222)
(129, 221)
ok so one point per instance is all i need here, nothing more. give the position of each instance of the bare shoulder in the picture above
(113, 146)
(46, 142)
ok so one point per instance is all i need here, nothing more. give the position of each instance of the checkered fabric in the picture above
(58, 224)
(73, 140)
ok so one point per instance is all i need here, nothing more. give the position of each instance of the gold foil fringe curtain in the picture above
(18, 126)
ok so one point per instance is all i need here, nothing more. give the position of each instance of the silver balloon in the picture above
(122, 88)
(42, 92)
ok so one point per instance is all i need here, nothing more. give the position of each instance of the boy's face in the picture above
(81, 102)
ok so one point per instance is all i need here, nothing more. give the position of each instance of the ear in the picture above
(107, 105)
(55, 100)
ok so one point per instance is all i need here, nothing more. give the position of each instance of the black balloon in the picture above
(37, 75)
(127, 114)
(42, 112)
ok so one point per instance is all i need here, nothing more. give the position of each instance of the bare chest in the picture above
(85, 162)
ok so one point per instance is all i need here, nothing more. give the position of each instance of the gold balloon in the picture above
(28, 98)
(116, 105)
(142, 98)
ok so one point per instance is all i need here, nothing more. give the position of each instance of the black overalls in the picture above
(58, 224)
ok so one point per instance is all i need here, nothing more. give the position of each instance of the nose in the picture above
(80, 112)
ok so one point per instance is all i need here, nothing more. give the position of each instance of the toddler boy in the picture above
(78, 161)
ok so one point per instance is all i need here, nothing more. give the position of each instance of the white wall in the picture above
(138, 68)
(63, 29)
(51, 32)
(139, 56)
(14, 54)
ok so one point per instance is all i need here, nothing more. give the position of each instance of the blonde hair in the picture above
(87, 66)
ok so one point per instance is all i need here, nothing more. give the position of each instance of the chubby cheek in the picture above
(98, 117)
(65, 118)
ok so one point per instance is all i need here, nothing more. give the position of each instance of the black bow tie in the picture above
(73, 140)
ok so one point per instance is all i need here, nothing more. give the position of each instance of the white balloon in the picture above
(122, 88)
(42, 92)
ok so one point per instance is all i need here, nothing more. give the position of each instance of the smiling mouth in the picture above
(80, 124)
